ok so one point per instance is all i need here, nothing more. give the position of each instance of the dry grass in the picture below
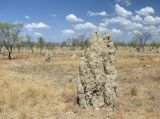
(33, 89)
(133, 91)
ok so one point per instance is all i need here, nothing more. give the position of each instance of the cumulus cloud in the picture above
(37, 34)
(125, 2)
(102, 13)
(151, 20)
(102, 29)
(146, 11)
(137, 18)
(122, 11)
(116, 31)
(124, 22)
(149, 28)
(86, 25)
(73, 18)
(103, 24)
(68, 32)
(134, 32)
(27, 17)
(36, 26)
(152, 29)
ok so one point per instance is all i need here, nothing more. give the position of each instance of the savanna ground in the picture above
(31, 88)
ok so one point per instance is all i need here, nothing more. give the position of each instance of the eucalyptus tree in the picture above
(30, 42)
(41, 43)
(1, 45)
(19, 44)
(9, 34)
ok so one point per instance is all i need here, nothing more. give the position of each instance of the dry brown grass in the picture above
(33, 89)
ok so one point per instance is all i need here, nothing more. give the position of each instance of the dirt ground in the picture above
(31, 88)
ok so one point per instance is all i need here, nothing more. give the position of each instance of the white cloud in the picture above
(149, 28)
(137, 18)
(116, 31)
(37, 34)
(146, 11)
(124, 22)
(134, 32)
(102, 29)
(27, 17)
(86, 25)
(73, 18)
(152, 29)
(136, 25)
(125, 2)
(36, 26)
(53, 15)
(103, 24)
(68, 32)
(121, 11)
(151, 20)
(102, 13)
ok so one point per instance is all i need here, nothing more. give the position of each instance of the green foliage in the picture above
(84, 44)
(155, 44)
(77, 41)
(41, 42)
(29, 41)
(64, 43)
(50, 45)
(9, 34)
(119, 43)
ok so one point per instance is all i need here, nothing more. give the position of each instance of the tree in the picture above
(41, 43)
(78, 41)
(63, 44)
(30, 43)
(1, 46)
(118, 43)
(141, 38)
(9, 33)
(156, 45)
(50, 45)
(19, 44)
(83, 41)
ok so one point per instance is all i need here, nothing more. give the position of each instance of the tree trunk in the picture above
(9, 55)
(140, 49)
(158, 50)
(40, 50)
(32, 50)
(19, 50)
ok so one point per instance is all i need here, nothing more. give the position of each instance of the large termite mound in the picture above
(97, 80)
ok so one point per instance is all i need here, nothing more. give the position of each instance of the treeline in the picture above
(136, 45)
(139, 41)
(11, 38)
(29, 42)
(80, 41)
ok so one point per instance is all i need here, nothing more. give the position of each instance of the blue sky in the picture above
(56, 20)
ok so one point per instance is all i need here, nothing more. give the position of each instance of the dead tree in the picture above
(141, 39)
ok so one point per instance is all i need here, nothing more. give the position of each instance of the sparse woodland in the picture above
(32, 87)
(12, 40)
